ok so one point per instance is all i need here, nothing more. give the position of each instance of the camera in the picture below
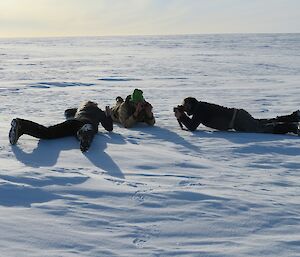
(178, 108)
(143, 105)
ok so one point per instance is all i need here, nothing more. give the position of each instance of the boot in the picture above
(15, 131)
(293, 117)
(119, 99)
(85, 136)
(297, 115)
(283, 128)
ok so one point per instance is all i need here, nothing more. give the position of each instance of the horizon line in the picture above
(143, 35)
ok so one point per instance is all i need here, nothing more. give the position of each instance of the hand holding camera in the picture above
(139, 108)
(148, 109)
(178, 111)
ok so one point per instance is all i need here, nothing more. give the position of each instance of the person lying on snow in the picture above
(81, 123)
(223, 118)
(134, 109)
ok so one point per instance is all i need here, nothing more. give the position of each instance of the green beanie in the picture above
(137, 96)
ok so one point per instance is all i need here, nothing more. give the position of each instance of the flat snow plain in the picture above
(150, 191)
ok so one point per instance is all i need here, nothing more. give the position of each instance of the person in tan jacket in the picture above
(134, 109)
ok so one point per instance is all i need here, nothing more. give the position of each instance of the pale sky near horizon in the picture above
(31, 18)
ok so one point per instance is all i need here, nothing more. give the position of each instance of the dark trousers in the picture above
(279, 125)
(64, 129)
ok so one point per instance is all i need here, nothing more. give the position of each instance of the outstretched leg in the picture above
(284, 128)
(293, 117)
(15, 132)
(246, 123)
(115, 109)
(20, 127)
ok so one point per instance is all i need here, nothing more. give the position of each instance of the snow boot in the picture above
(297, 114)
(119, 100)
(85, 136)
(15, 131)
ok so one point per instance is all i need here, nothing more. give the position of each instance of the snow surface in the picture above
(150, 191)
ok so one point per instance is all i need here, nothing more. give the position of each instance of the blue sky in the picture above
(144, 17)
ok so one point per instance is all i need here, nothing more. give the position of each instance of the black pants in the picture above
(279, 125)
(64, 129)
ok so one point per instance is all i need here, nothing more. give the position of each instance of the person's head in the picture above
(137, 96)
(189, 104)
(88, 104)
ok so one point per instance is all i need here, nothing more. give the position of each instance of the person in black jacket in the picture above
(223, 118)
(81, 123)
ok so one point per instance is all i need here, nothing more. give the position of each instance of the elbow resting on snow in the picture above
(192, 128)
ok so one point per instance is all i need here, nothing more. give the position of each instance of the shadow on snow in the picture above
(47, 152)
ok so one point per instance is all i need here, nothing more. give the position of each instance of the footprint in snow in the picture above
(146, 235)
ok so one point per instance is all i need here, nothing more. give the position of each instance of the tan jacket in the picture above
(123, 113)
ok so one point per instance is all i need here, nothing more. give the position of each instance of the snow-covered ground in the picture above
(156, 191)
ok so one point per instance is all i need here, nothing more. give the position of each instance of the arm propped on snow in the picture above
(190, 123)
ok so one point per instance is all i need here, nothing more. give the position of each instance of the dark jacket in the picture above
(92, 114)
(123, 113)
(210, 115)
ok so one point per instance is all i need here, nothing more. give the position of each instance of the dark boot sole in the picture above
(14, 132)
(84, 137)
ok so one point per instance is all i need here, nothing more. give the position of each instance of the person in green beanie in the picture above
(134, 109)
(137, 96)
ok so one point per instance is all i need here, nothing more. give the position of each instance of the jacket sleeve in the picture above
(70, 113)
(191, 123)
(107, 122)
(126, 120)
(150, 120)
